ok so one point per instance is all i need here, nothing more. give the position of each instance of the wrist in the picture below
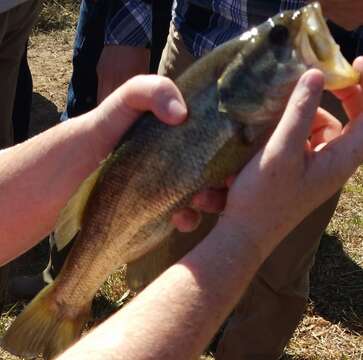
(109, 121)
(99, 139)
(255, 237)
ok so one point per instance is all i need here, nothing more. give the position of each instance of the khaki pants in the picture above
(269, 312)
(15, 27)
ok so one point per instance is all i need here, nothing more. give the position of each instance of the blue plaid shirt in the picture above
(226, 19)
(131, 25)
(219, 21)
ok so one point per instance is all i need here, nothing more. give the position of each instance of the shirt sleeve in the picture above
(131, 25)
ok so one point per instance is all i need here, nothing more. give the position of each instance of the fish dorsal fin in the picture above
(70, 218)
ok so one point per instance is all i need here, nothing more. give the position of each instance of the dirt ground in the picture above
(50, 60)
(332, 327)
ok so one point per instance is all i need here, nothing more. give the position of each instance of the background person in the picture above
(16, 20)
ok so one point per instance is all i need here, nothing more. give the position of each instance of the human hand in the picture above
(325, 128)
(141, 93)
(345, 13)
(291, 176)
(211, 201)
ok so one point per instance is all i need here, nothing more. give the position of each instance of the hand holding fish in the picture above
(325, 128)
(305, 161)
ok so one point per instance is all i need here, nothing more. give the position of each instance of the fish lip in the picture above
(318, 49)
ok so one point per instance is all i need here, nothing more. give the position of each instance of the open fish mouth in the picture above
(319, 50)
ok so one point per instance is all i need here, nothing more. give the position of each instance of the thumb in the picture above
(157, 94)
(294, 127)
(141, 93)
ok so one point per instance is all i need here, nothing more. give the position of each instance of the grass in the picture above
(332, 327)
(57, 16)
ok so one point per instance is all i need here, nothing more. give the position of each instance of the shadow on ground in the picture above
(337, 285)
(44, 114)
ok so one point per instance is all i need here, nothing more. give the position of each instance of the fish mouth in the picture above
(319, 50)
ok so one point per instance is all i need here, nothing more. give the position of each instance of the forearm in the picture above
(38, 177)
(117, 64)
(177, 315)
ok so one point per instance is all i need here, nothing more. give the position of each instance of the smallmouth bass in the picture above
(235, 97)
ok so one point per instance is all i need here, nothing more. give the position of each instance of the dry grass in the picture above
(57, 15)
(332, 327)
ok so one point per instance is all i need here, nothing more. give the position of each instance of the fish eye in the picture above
(279, 35)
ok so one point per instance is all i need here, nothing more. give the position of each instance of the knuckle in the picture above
(163, 85)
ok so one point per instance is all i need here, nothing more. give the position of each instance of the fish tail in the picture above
(44, 327)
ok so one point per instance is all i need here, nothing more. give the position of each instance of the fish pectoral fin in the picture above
(70, 218)
(44, 327)
(235, 97)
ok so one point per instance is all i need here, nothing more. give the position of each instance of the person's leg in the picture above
(23, 101)
(266, 317)
(4, 272)
(15, 26)
(273, 306)
(88, 45)
(268, 314)
(175, 57)
(160, 29)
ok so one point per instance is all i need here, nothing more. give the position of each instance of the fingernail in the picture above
(176, 110)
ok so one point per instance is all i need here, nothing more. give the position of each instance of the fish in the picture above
(235, 97)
